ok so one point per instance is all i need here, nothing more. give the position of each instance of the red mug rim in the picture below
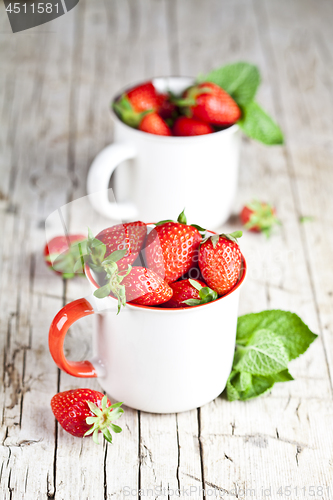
(240, 281)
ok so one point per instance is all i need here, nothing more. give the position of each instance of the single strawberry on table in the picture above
(210, 103)
(259, 217)
(154, 124)
(61, 253)
(189, 292)
(82, 412)
(220, 261)
(171, 248)
(185, 126)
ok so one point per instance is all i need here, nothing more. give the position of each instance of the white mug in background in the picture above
(154, 359)
(160, 175)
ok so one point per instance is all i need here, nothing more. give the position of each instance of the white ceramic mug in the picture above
(162, 175)
(154, 359)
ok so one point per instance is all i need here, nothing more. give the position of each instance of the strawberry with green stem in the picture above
(133, 105)
(137, 284)
(61, 253)
(208, 102)
(107, 266)
(190, 292)
(259, 217)
(82, 412)
(171, 248)
(220, 261)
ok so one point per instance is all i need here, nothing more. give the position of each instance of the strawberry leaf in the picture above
(115, 256)
(116, 405)
(232, 236)
(207, 295)
(201, 230)
(107, 435)
(192, 302)
(103, 291)
(115, 428)
(182, 218)
(195, 284)
(163, 222)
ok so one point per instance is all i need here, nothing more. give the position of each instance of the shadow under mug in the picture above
(159, 175)
(154, 359)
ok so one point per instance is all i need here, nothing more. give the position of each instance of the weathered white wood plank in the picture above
(310, 146)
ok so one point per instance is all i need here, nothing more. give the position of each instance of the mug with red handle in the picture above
(154, 359)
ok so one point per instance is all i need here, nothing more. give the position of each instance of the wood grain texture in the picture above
(56, 83)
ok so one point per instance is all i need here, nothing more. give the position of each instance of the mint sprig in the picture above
(241, 80)
(265, 343)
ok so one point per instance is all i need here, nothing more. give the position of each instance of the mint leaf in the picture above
(242, 381)
(283, 376)
(259, 385)
(240, 80)
(292, 331)
(258, 125)
(232, 393)
(263, 354)
(244, 386)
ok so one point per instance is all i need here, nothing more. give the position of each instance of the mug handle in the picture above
(62, 321)
(99, 177)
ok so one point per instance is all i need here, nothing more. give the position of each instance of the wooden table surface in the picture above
(56, 83)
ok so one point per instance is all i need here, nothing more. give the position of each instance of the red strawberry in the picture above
(82, 412)
(143, 97)
(171, 248)
(134, 104)
(144, 287)
(129, 236)
(185, 126)
(154, 124)
(210, 103)
(190, 292)
(220, 261)
(61, 253)
(166, 109)
(259, 217)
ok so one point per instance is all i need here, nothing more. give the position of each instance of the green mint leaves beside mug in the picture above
(265, 343)
(241, 80)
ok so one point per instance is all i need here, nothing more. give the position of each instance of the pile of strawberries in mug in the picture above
(202, 109)
(173, 266)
